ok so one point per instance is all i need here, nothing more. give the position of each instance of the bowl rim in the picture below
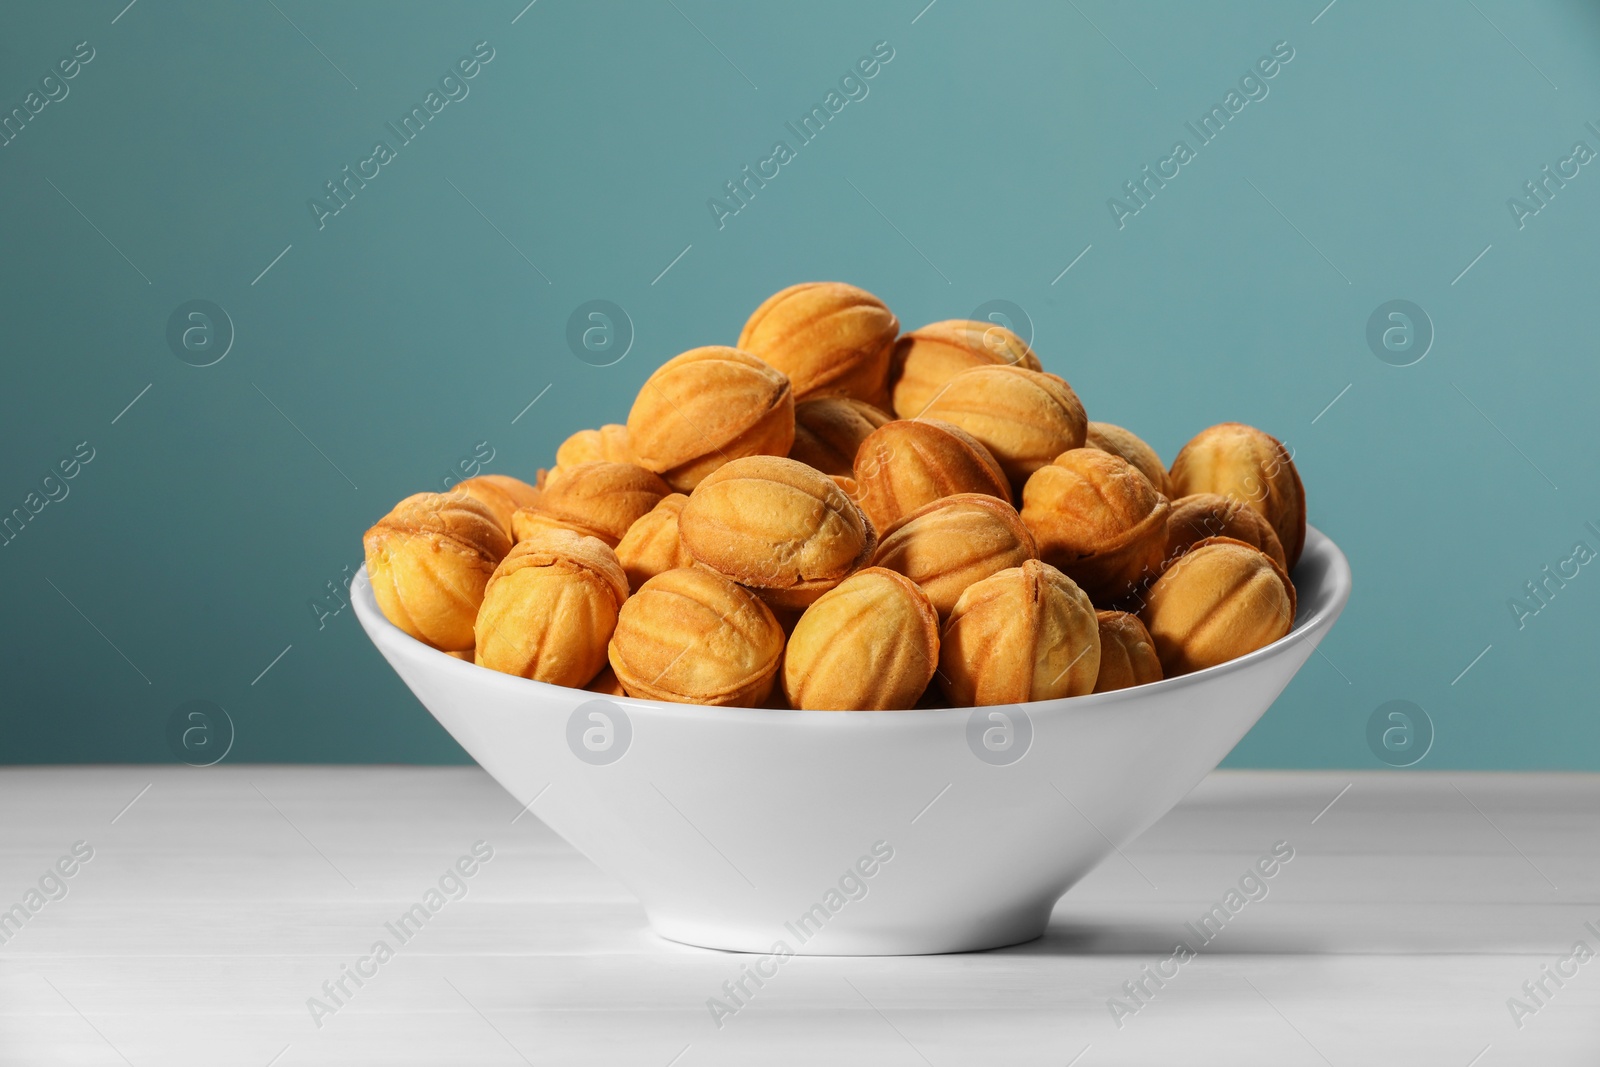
(378, 628)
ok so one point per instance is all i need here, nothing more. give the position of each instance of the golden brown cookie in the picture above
(830, 338)
(871, 643)
(778, 526)
(1127, 654)
(1221, 600)
(692, 636)
(550, 608)
(1024, 633)
(911, 462)
(428, 561)
(705, 407)
(927, 358)
(1026, 418)
(1099, 520)
(1242, 462)
(953, 542)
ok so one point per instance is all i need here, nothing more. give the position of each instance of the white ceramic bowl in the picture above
(856, 833)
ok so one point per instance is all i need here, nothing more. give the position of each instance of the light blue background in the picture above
(409, 329)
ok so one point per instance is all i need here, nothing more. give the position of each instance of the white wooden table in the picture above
(220, 900)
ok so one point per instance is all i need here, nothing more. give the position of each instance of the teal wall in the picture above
(392, 339)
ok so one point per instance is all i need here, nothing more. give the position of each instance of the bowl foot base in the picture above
(842, 938)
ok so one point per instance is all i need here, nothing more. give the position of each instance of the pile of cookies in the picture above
(833, 515)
